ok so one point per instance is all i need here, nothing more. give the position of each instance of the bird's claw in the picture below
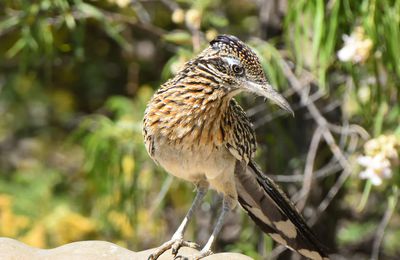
(179, 243)
(152, 257)
(174, 245)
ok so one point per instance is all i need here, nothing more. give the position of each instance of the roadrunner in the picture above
(196, 130)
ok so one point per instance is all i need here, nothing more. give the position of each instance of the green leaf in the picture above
(70, 21)
(378, 122)
(9, 22)
(90, 10)
(16, 48)
(218, 21)
(318, 29)
(114, 32)
(178, 37)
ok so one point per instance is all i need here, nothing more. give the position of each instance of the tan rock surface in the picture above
(88, 250)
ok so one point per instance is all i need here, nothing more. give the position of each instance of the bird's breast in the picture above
(194, 163)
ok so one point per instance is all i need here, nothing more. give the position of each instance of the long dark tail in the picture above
(273, 212)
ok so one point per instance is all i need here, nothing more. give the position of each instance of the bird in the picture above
(196, 131)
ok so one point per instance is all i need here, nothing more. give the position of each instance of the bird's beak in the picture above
(267, 91)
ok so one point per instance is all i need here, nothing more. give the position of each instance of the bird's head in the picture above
(240, 69)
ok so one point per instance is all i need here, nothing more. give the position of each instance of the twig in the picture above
(172, 5)
(161, 195)
(116, 17)
(331, 106)
(271, 116)
(350, 129)
(141, 12)
(316, 114)
(327, 134)
(323, 172)
(276, 252)
(392, 201)
(110, 16)
(331, 194)
(308, 170)
(353, 144)
(343, 137)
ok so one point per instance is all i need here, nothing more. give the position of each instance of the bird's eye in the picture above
(237, 69)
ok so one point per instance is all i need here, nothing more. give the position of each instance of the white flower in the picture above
(178, 16)
(347, 52)
(120, 3)
(356, 47)
(193, 18)
(377, 168)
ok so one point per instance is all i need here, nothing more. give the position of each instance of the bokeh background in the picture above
(75, 76)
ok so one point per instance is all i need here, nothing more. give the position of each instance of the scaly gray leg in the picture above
(177, 239)
(226, 207)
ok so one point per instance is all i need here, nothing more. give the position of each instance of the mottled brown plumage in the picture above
(196, 130)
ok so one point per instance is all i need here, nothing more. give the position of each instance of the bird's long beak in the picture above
(267, 91)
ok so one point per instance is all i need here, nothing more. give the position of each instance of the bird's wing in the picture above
(273, 212)
(240, 140)
(148, 137)
(260, 197)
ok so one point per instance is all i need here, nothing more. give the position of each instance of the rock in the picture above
(96, 250)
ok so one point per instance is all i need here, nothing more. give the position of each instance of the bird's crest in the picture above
(231, 46)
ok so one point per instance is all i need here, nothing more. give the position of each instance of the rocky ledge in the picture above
(96, 250)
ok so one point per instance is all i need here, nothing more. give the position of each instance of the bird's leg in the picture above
(227, 205)
(177, 239)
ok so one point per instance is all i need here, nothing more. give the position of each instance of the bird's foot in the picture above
(202, 254)
(174, 245)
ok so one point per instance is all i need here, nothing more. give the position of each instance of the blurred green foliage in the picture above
(75, 77)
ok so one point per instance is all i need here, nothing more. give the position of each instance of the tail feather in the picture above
(273, 212)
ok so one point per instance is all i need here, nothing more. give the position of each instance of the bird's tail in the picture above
(272, 211)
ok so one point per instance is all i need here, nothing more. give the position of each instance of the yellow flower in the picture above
(36, 236)
(121, 222)
(128, 165)
(10, 224)
(5, 201)
(388, 145)
(72, 226)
